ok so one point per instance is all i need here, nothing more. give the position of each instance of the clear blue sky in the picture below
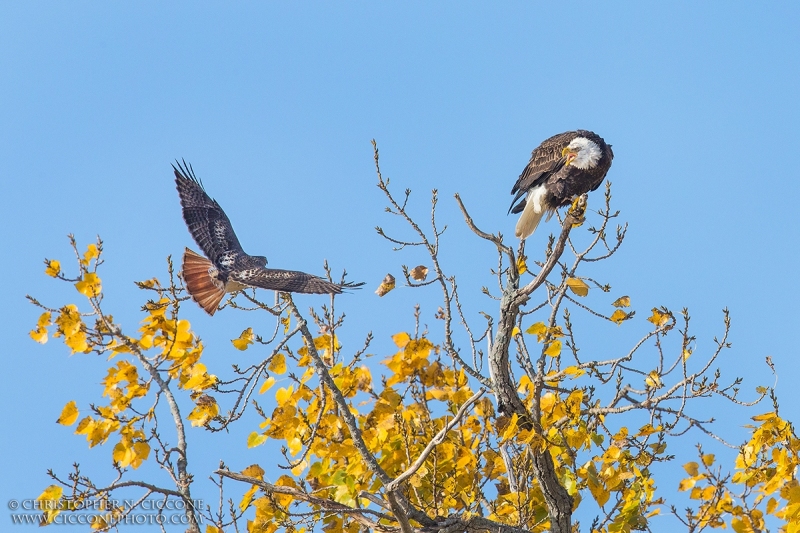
(275, 104)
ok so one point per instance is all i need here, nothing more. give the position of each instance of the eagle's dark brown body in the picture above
(562, 167)
(228, 268)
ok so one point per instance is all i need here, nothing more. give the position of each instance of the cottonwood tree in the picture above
(508, 425)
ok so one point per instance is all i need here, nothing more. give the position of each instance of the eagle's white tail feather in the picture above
(527, 222)
(532, 213)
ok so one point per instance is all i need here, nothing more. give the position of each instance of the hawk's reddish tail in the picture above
(205, 290)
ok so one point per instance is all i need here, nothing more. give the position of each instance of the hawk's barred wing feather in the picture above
(289, 281)
(207, 222)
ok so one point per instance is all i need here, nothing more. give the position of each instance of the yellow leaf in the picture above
(687, 353)
(268, 383)
(244, 340)
(212, 529)
(772, 504)
(515, 331)
(401, 339)
(53, 268)
(205, 410)
(622, 301)
(522, 267)
(578, 286)
(619, 316)
(691, 468)
(653, 380)
(419, 273)
(511, 429)
(538, 329)
(554, 350)
(69, 414)
(49, 501)
(91, 253)
(247, 498)
(40, 333)
(278, 364)
(294, 445)
(286, 321)
(297, 470)
(254, 471)
(708, 459)
(386, 285)
(659, 318)
(90, 285)
(574, 371)
(283, 395)
(256, 439)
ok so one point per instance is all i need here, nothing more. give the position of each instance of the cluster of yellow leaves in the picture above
(122, 385)
(617, 471)
(766, 466)
(178, 345)
(179, 348)
(549, 336)
(395, 430)
(69, 324)
(52, 502)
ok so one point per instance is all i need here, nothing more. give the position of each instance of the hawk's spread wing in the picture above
(288, 281)
(207, 222)
(546, 160)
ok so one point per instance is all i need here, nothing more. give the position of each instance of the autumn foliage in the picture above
(522, 428)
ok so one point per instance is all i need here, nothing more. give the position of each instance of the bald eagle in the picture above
(562, 167)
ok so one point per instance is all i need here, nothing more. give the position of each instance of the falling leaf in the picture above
(578, 286)
(619, 316)
(244, 340)
(69, 414)
(386, 285)
(53, 268)
(622, 301)
(419, 273)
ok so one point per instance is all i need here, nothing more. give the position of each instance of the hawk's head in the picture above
(582, 153)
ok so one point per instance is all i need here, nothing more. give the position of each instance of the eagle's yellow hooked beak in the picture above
(569, 154)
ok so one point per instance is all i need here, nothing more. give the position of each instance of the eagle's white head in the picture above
(582, 153)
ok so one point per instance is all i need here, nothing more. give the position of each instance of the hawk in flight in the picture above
(228, 268)
(562, 167)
